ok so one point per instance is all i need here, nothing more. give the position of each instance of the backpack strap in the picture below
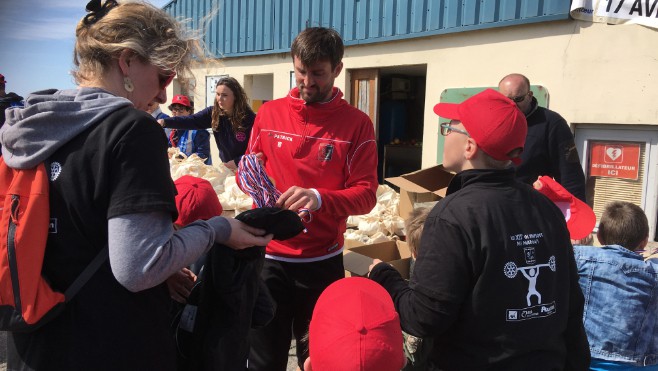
(86, 274)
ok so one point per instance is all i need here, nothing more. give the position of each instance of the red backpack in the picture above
(26, 299)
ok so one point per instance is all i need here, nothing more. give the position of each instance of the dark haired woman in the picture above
(230, 118)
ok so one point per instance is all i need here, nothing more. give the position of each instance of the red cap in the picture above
(182, 100)
(492, 120)
(355, 327)
(580, 217)
(196, 199)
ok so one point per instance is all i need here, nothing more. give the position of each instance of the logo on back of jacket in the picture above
(55, 171)
(535, 308)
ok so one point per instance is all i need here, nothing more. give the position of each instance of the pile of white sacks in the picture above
(381, 224)
(221, 179)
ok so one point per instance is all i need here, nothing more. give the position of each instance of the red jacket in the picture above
(328, 146)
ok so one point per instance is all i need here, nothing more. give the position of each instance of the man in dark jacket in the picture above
(7, 99)
(549, 146)
(495, 283)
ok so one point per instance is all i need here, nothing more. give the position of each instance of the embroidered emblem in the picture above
(55, 170)
(325, 152)
(240, 136)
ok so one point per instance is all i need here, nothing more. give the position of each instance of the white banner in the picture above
(644, 12)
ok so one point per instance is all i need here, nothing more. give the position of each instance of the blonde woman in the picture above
(110, 186)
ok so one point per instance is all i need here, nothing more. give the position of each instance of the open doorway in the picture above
(259, 89)
(401, 119)
(394, 98)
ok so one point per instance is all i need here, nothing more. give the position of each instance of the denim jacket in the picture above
(621, 304)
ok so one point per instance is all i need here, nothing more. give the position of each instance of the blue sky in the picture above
(37, 38)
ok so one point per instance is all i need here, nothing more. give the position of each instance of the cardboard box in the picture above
(348, 243)
(424, 185)
(357, 259)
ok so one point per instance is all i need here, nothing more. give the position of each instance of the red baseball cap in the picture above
(580, 217)
(196, 199)
(182, 100)
(492, 120)
(355, 327)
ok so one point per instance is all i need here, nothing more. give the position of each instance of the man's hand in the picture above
(374, 262)
(180, 285)
(161, 122)
(259, 157)
(231, 165)
(243, 236)
(296, 198)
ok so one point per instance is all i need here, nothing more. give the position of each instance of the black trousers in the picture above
(295, 287)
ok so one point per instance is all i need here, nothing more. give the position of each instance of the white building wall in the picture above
(595, 73)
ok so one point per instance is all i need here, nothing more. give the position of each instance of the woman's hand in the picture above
(231, 165)
(243, 236)
(180, 285)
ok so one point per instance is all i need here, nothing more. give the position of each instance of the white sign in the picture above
(644, 12)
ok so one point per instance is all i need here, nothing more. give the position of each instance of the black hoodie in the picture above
(495, 282)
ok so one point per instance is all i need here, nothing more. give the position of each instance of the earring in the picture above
(128, 84)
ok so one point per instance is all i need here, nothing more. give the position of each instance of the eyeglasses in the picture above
(447, 129)
(520, 98)
(166, 79)
(177, 109)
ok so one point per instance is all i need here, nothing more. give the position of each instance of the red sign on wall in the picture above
(615, 160)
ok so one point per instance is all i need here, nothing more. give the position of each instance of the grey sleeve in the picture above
(145, 250)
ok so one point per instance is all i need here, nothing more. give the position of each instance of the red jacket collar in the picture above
(314, 112)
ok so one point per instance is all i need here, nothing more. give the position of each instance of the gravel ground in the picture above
(292, 359)
(3, 351)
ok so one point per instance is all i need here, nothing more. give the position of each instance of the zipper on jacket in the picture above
(11, 252)
(304, 133)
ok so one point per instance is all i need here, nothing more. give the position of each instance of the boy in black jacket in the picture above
(495, 283)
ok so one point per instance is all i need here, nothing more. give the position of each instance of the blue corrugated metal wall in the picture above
(247, 27)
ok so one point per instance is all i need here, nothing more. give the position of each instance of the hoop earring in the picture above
(128, 84)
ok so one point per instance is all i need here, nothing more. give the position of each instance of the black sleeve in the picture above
(438, 286)
(199, 121)
(578, 354)
(565, 163)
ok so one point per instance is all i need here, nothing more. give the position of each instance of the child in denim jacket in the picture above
(620, 292)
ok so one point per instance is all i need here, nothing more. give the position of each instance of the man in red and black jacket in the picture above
(321, 154)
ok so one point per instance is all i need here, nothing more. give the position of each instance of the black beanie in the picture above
(284, 224)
